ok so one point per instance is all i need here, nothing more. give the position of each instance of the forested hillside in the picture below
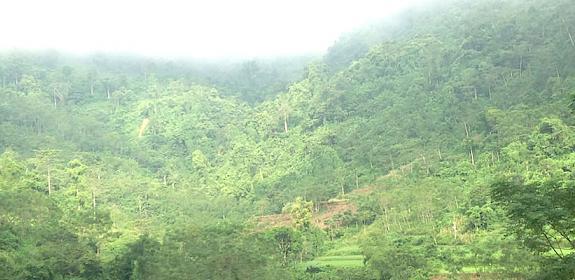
(437, 145)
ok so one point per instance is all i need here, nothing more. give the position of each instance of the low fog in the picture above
(193, 29)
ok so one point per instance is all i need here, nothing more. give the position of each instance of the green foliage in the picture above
(301, 212)
(399, 258)
(447, 133)
(337, 273)
(537, 194)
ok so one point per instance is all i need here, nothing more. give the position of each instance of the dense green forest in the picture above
(439, 145)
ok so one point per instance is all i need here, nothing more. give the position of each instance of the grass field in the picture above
(347, 256)
(339, 261)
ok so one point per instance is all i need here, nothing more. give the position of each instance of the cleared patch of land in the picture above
(343, 257)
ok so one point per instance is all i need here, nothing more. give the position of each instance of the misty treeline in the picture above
(447, 135)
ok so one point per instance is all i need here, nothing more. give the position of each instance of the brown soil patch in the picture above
(363, 191)
(275, 220)
(327, 210)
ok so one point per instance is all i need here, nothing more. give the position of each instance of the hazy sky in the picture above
(211, 28)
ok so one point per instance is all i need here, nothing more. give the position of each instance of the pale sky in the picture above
(201, 29)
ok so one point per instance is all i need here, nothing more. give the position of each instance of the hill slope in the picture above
(118, 169)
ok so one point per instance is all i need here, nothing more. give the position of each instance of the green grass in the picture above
(342, 255)
(338, 261)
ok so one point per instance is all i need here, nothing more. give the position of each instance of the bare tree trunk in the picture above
(94, 204)
(54, 97)
(425, 164)
(551, 245)
(505, 81)
(470, 146)
(454, 228)
(569, 33)
(286, 122)
(386, 218)
(38, 126)
(404, 218)
(398, 221)
(49, 182)
(521, 67)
